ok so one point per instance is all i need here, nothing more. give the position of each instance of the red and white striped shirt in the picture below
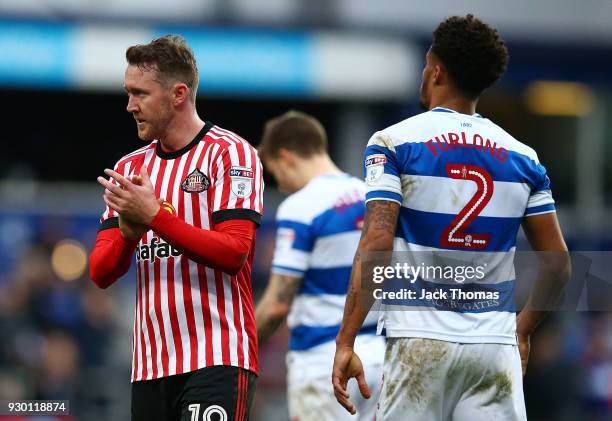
(189, 316)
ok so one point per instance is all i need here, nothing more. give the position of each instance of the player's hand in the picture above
(136, 202)
(524, 345)
(347, 365)
(131, 230)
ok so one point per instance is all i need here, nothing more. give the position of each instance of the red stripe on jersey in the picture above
(174, 324)
(220, 295)
(139, 326)
(150, 330)
(188, 299)
(222, 318)
(136, 334)
(206, 316)
(157, 277)
(202, 280)
(234, 285)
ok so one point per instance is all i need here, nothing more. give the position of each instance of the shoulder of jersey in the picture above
(137, 154)
(226, 138)
(315, 198)
(511, 143)
(416, 129)
(402, 131)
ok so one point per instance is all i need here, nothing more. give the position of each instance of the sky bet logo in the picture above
(155, 249)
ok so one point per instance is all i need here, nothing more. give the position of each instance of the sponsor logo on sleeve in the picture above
(375, 167)
(284, 238)
(242, 180)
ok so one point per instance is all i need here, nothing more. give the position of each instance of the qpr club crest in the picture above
(196, 182)
(242, 181)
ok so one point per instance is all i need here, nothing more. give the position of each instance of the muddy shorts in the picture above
(431, 380)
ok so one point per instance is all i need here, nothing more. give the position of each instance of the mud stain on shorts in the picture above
(502, 384)
(420, 361)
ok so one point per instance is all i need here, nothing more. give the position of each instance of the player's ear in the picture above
(180, 94)
(437, 77)
(286, 156)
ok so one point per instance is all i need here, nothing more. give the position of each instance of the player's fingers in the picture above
(363, 386)
(112, 203)
(144, 173)
(339, 387)
(123, 182)
(347, 404)
(113, 188)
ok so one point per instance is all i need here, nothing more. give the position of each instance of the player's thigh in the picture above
(219, 393)
(497, 392)
(415, 380)
(151, 401)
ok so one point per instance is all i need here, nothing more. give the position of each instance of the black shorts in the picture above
(218, 393)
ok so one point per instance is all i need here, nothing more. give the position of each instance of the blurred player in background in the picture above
(318, 228)
(188, 204)
(450, 179)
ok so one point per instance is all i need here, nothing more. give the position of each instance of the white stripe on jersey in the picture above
(502, 204)
(307, 309)
(332, 251)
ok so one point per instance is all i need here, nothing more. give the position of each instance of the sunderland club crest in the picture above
(196, 182)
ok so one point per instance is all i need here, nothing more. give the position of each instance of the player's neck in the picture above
(180, 132)
(456, 103)
(317, 166)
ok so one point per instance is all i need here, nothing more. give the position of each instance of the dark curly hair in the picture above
(473, 53)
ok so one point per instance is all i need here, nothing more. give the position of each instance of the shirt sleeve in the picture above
(294, 244)
(237, 184)
(540, 199)
(381, 170)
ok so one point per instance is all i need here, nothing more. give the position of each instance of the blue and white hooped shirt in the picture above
(464, 186)
(318, 230)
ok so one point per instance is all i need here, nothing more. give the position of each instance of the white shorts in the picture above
(315, 400)
(432, 380)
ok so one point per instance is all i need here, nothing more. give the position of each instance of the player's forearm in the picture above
(225, 249)
(553, 275)
(355, 310)
(111, 257)
(268, 320)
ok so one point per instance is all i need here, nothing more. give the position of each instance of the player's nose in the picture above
(132, 106)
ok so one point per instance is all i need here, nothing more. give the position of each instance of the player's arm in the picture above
(111, 256)
(554, 270)
(377, 236)
(275, 304)
(226, 248)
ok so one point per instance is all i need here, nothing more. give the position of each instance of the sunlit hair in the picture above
(295, 131)
(171, 58)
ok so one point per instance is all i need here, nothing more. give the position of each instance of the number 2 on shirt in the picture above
(454, 236)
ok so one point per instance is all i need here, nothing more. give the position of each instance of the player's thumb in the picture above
(363, 386)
